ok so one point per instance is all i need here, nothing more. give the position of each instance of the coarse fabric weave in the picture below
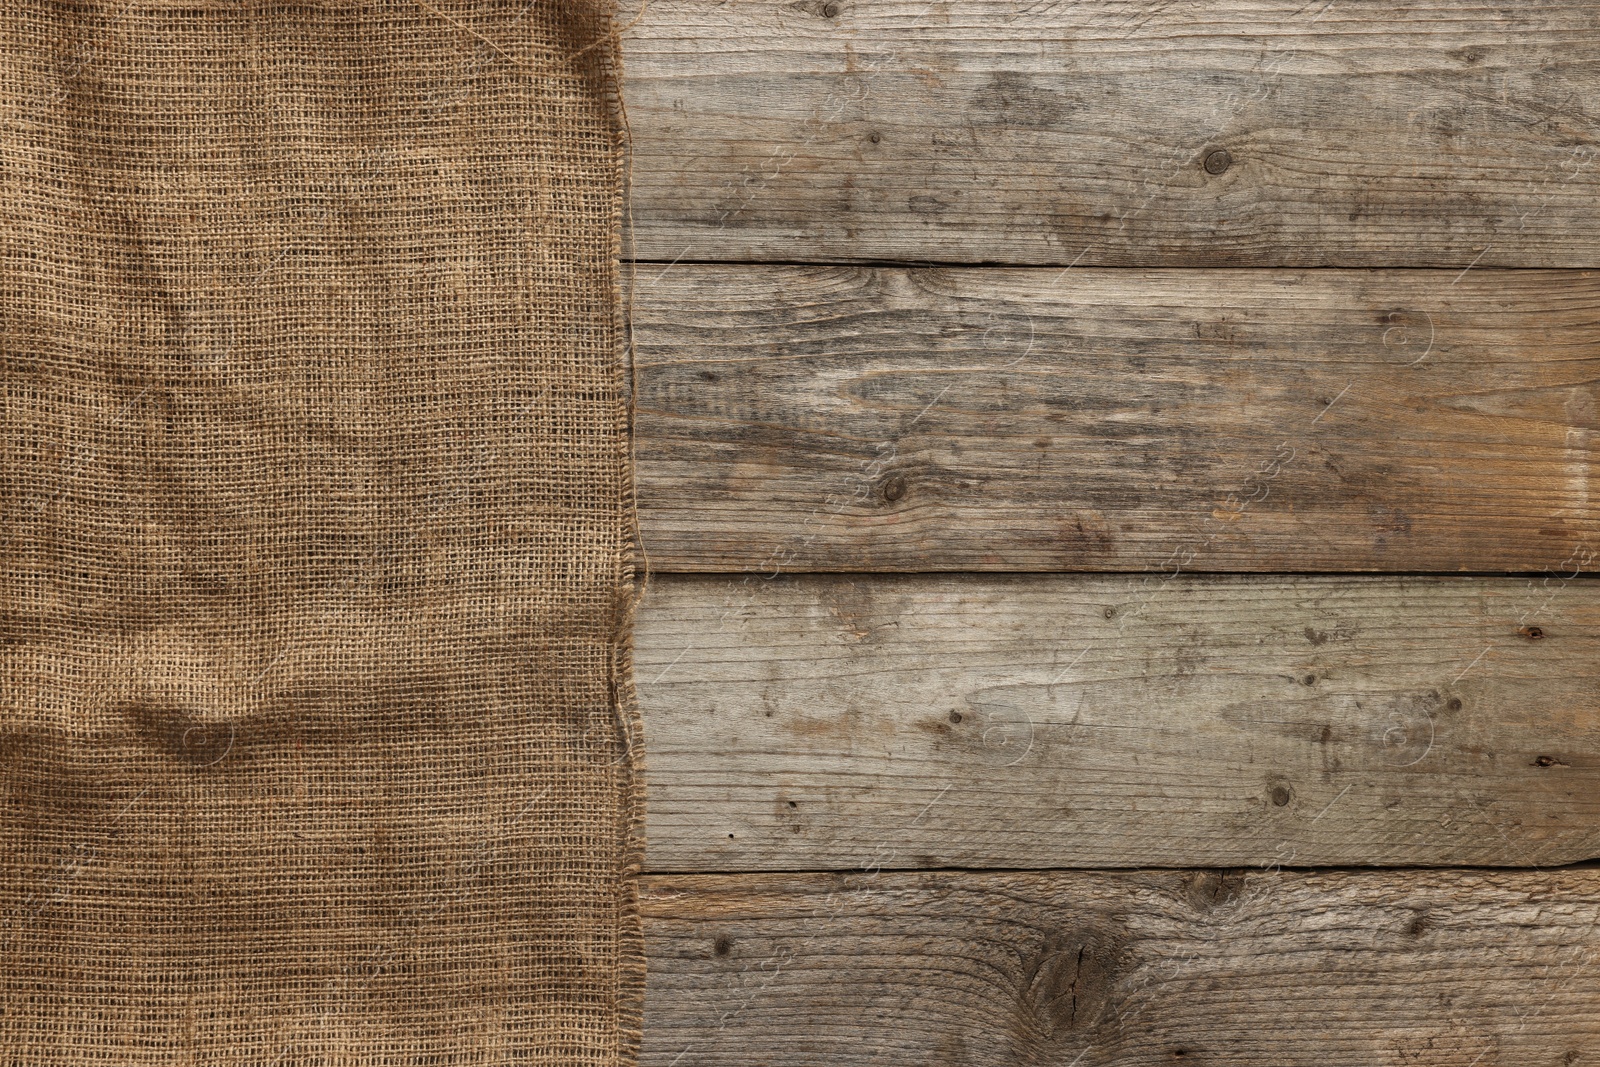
(318, 744)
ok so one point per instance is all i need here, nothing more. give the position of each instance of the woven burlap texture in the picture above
(318, 743)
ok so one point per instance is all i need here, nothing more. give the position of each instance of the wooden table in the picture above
(1116, 477)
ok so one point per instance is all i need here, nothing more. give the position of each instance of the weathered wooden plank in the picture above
(851, 418)
(1146, 969)
(1246, 132)
(829, 722)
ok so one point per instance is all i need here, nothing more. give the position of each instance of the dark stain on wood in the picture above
(1068, 983)
(1208, 889)
(1016, 100)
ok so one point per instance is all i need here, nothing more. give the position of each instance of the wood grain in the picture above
(1141, 969)
(1414, 133)
(830, 722)
(854, 418)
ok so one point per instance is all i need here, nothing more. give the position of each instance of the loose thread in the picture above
(462, 26)
(612, 35)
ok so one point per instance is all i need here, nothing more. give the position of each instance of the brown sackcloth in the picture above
(317, 741)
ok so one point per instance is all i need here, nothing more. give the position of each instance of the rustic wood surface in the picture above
(857, 418)
(1142, 969)
(1411, 133)
(831, 722)
(1094, 408)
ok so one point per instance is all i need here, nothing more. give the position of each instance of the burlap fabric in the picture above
(317, 729)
